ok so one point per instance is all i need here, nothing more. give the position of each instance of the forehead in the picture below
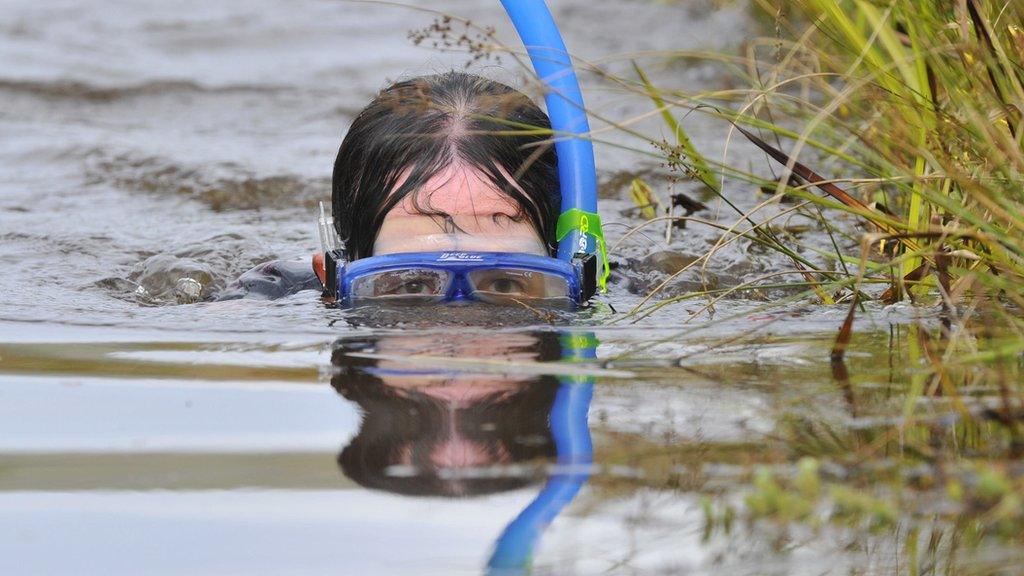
(457, 190)
(457, 209)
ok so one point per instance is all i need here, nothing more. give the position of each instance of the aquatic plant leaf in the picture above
(892, 293)
(644, 199)
(845, 333)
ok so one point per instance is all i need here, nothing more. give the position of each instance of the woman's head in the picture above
(447, 162)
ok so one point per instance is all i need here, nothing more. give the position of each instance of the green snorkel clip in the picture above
(588, 224)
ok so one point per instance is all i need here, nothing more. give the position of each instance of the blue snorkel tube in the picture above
(579, 226)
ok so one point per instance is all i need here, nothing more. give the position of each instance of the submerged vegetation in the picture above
(856, 454)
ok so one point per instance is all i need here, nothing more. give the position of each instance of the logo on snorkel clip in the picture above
(460, 257)
(584, 228)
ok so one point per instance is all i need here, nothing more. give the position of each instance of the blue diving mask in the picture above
(435, 277)
(447, 275)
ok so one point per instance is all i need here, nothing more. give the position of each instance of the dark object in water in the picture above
(668, 261)
(688, 204)
(274, 279)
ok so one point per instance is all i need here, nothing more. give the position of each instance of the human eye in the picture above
(407, 283)
(505, 286)
(511, 285)
(505, 283)
(412, 287)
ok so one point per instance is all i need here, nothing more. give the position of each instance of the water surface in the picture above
(146, 142)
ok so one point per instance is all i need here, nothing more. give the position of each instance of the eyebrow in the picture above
(446, 221)
(513, 217)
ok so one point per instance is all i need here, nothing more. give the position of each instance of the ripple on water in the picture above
(221, 187)
(210, 262)
(79, 91)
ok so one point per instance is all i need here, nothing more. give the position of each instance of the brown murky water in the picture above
(145, 142)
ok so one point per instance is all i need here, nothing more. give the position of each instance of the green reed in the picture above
(917, 105)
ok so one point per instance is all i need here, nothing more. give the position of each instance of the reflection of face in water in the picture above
(428, 431)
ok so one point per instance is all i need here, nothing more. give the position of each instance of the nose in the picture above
(460, 297)
(461, 291)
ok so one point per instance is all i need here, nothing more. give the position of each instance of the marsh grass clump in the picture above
(902, 115)
(924, 101)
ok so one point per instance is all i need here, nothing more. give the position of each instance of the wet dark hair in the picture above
(423, 125)
(513, 427)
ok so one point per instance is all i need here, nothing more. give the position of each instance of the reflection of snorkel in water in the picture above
(513, 552)
(456, 268)
(431, 431)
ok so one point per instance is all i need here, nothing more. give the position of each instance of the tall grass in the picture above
(905, 114)
(908, 116)
(930, 98)
(920, 104)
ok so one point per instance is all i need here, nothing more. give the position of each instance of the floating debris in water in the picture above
(187, 290)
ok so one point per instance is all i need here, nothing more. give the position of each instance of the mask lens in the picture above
(508, 285)
(410, 284)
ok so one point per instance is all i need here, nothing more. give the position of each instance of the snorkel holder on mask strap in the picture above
(581, 246)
